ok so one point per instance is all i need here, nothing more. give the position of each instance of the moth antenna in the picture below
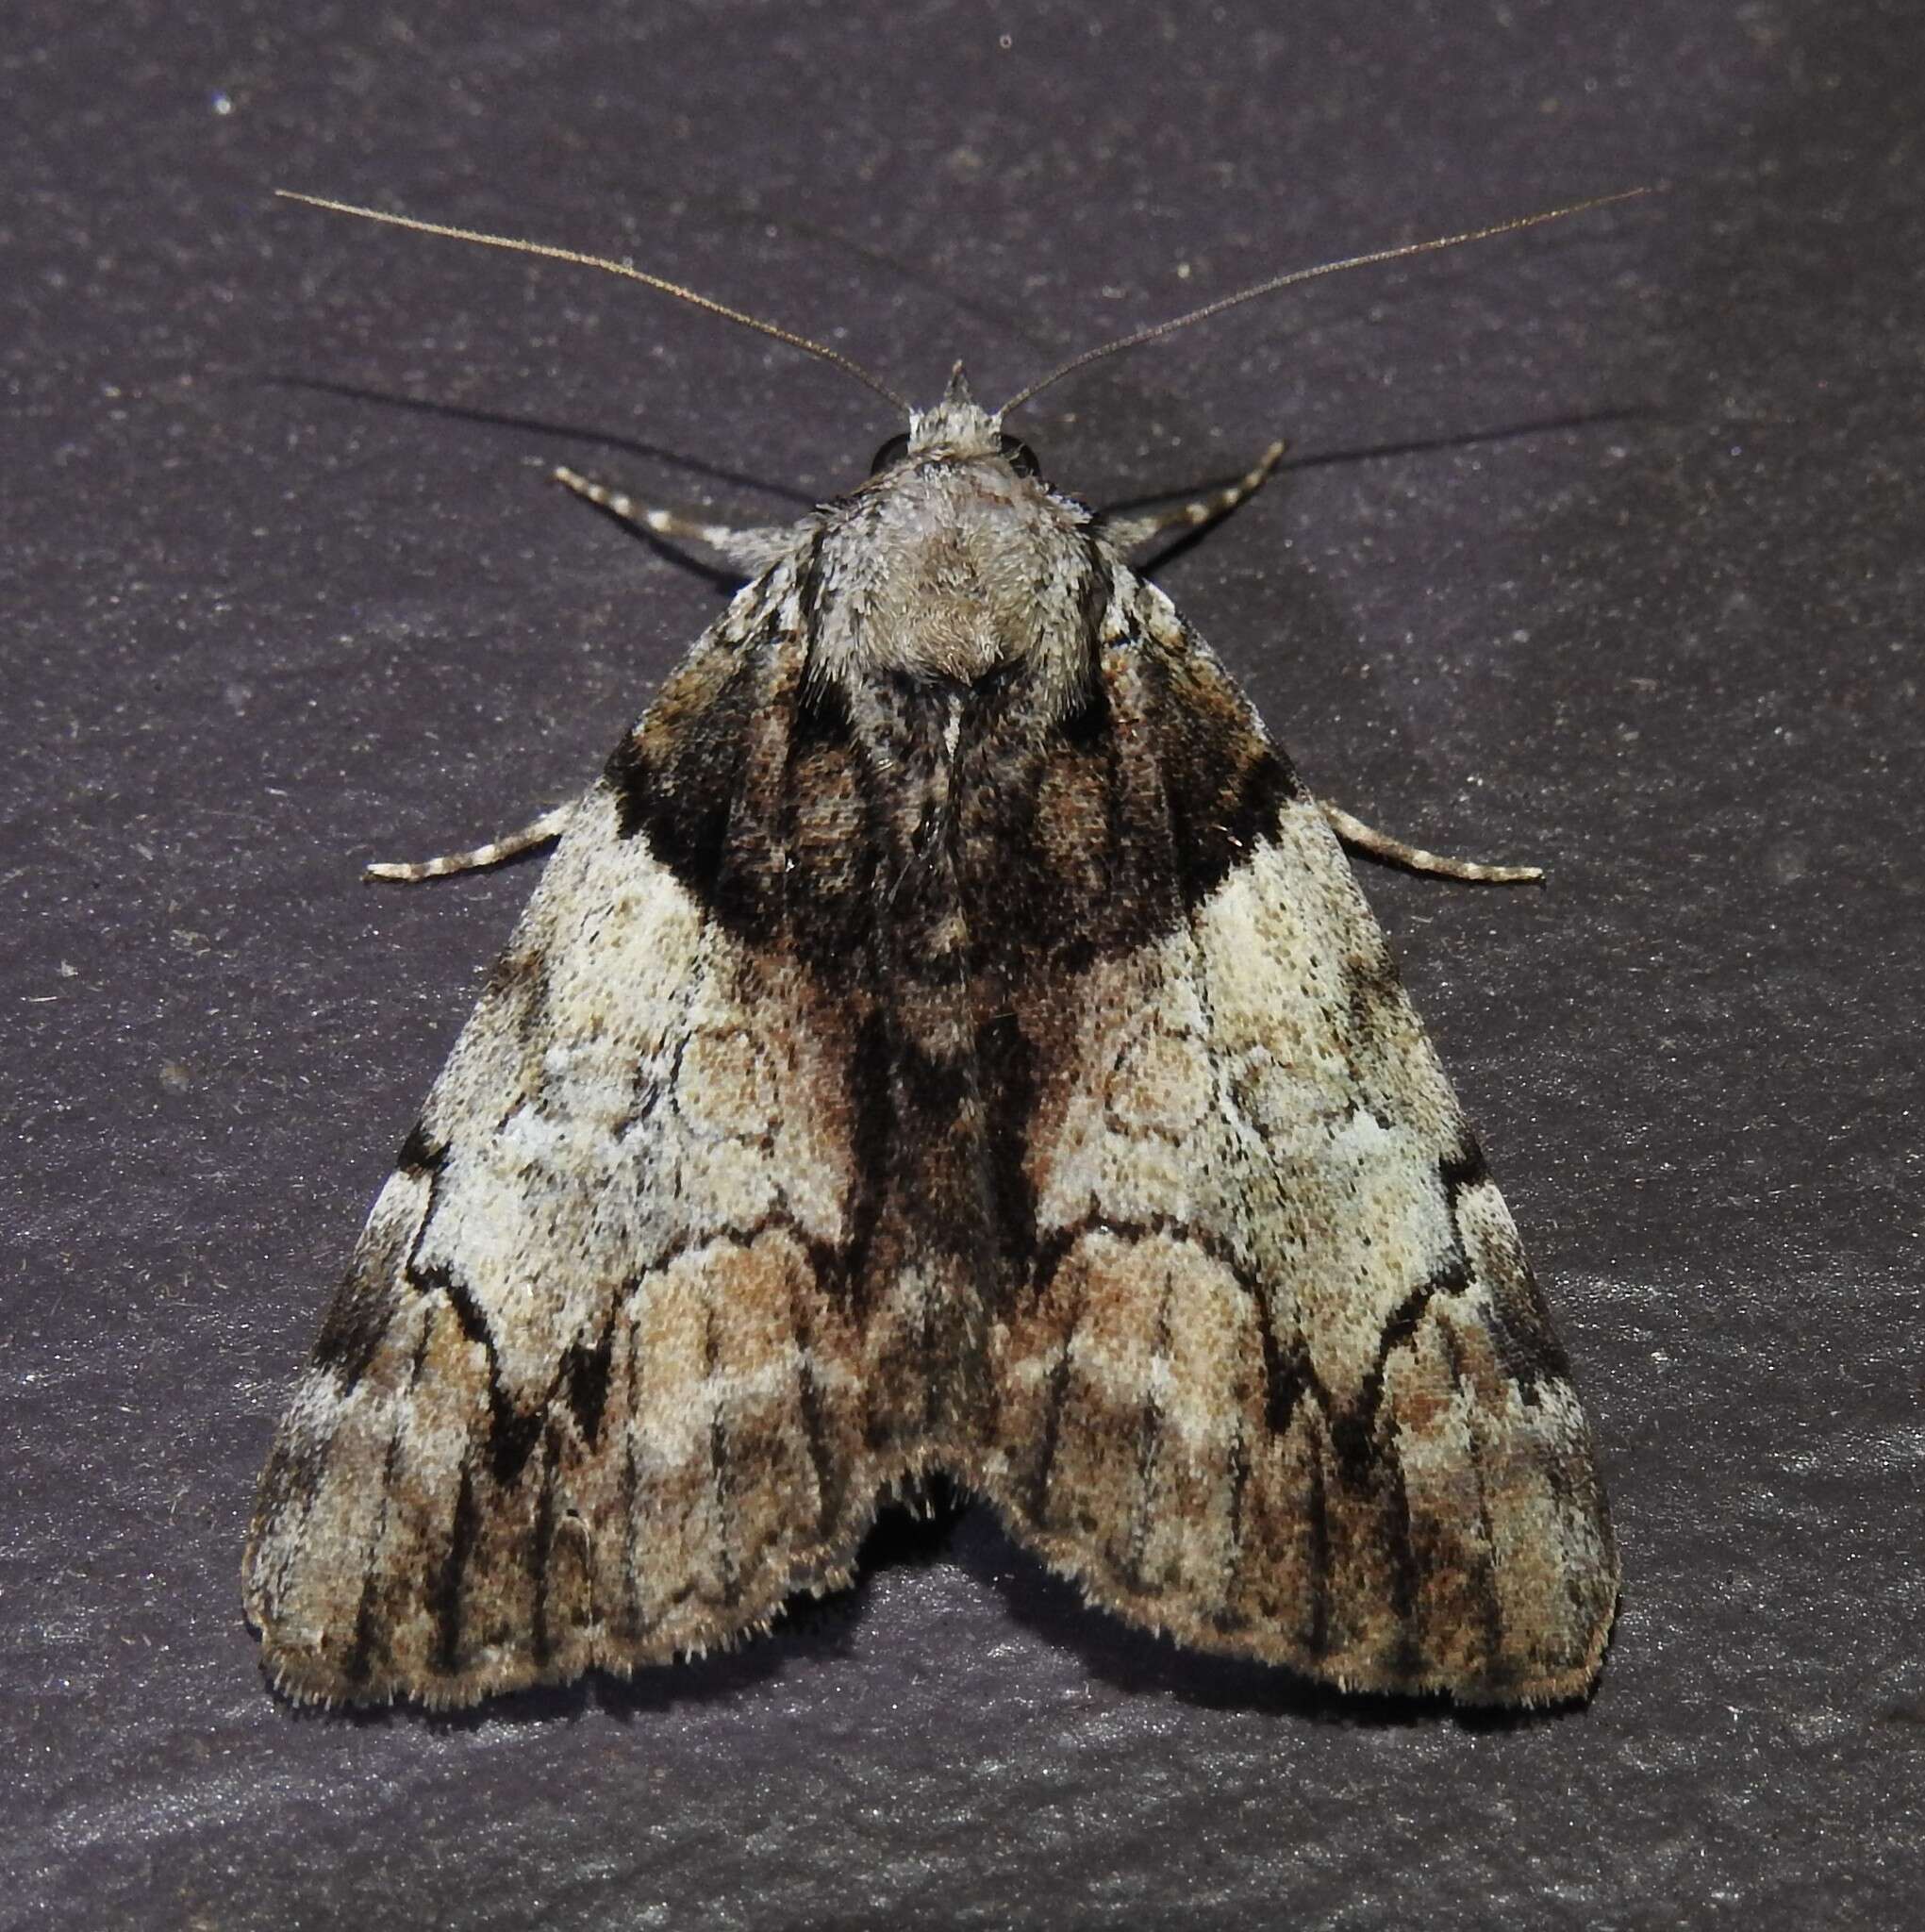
(549, 252)
(1308, 274)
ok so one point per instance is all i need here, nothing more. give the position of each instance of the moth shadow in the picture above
(1141, 1664)
(1474, 439)
(810, 1632)
(540, 426)
(1177, 544)
(1908, 1714)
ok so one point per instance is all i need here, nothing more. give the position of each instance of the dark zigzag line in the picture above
(1351, 1426)
(512, 1431)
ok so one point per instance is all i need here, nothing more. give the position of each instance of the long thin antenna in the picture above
(615, 268)
(1308, 274)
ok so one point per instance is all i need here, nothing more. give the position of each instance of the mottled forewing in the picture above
(590, 1393)
(1277, 1380)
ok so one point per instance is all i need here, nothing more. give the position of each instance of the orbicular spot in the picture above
(1162, 1084)
(724, 1084)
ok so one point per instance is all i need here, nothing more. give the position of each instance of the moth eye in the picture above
(893, 451)
(1020, 457)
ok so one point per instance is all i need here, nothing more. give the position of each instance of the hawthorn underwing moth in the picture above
(947, 1037)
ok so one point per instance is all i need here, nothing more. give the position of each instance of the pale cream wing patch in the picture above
(1282, 1383)
(586, 1397)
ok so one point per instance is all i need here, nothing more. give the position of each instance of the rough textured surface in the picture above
(1600, 548)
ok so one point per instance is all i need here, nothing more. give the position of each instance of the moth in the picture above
(946, 1038)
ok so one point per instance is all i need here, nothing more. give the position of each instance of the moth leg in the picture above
(1378, 845)
(1132, 533)
(750, 551)
(551, 824)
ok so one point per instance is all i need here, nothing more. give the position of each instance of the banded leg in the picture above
(551, 824)
(1132, 533)
(1354, 832)
(750, 551)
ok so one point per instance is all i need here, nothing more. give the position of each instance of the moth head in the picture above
(958, 426)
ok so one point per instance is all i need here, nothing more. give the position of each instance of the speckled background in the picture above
(1600, 547)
